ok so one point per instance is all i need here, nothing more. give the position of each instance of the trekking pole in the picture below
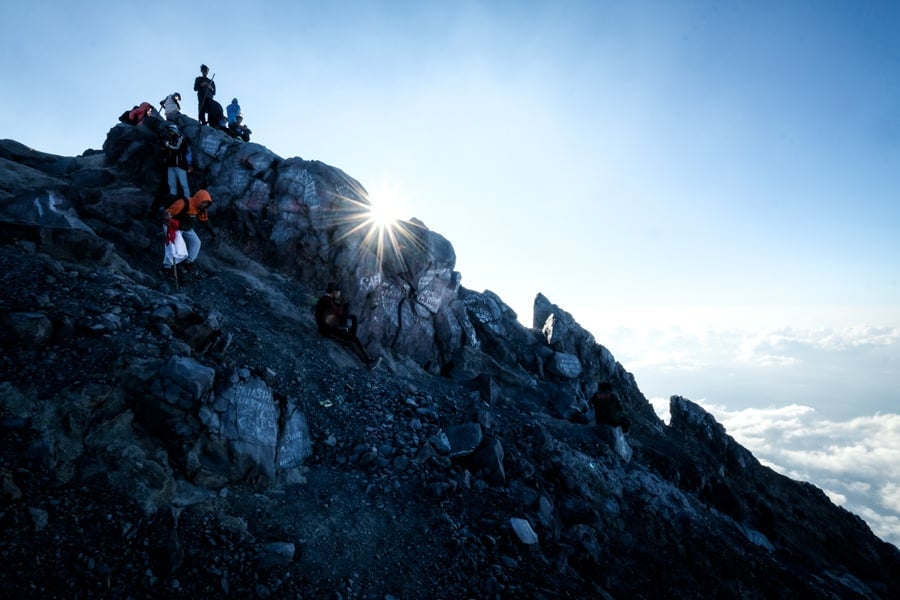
(175, 275)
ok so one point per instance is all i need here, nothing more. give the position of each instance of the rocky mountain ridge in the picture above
(205, 441)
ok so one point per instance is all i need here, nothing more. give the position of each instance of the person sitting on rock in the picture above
(334, 320)
(240, 130)
(608, 409)
(217, 118)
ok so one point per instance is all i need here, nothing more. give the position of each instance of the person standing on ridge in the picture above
(206, 90)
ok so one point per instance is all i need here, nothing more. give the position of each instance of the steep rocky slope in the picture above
(205, 441)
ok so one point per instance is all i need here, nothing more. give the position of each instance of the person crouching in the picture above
(334, 320)
(188, 213)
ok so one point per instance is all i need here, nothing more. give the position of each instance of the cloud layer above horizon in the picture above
(843, 371)
(816, 404)
(855, 462)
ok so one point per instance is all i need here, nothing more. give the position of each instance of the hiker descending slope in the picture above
(177, 158)
(206, 90)
(187, 214)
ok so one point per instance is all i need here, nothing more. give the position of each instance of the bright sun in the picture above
(386, 205)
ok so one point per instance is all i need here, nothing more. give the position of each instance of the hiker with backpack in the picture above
(334, 320)
(206, 90)
(608, 409)
(177, 158)
(184, 215)
(171, 104)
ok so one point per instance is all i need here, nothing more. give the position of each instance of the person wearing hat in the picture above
(334, 320)
(171, 104)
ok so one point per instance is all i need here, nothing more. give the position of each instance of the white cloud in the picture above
(885, 526)
(856, 462)
(814, 403)
(788, 346)
(838, 499)
(890, 497)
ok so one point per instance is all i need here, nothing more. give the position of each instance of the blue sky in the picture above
(708, 187)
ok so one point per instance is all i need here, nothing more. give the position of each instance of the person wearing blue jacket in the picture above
(233, 110)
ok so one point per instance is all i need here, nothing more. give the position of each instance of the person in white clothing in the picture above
(171, 104)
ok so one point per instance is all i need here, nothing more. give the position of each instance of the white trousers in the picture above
(192, 241)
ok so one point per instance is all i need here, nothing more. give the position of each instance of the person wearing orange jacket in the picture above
(187, 214)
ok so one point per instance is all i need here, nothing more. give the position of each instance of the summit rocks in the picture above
(206, 441)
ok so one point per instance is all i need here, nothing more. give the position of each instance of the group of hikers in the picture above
(209, 110)
(181, 213)
(184, 212)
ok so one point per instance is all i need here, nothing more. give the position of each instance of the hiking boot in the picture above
(167, 272)
(187, 266)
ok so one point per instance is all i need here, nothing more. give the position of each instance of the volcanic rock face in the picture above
(202, 439)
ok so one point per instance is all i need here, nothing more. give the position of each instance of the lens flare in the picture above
(385, 236)
(386, 205)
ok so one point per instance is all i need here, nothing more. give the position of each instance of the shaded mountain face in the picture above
(200, 438)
